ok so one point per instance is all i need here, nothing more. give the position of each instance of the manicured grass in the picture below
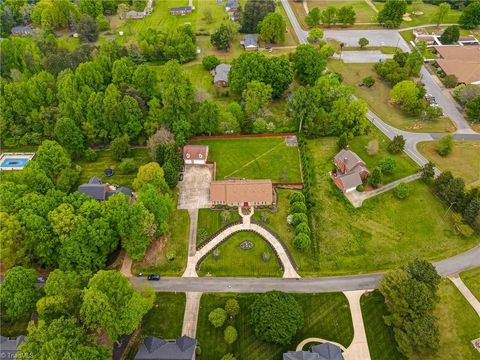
(464, 160)
(363, 11)
(176, 241)
(165, 319)
(212, 221)
(235, 261)
(383, 49)
(105, 160)
(384, 233)
(471, 278)
(326, 315)
(377, 98)
(254, 158)
(381, 342)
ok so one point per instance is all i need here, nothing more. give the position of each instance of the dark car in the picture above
(180, 177)
(153, 277)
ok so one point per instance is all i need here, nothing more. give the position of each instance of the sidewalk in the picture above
(457, 281)
(358, 349)
(190, 318)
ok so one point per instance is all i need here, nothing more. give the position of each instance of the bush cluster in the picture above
(217, 318)
(298, 209)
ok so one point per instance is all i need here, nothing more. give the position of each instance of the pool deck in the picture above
(15, 161)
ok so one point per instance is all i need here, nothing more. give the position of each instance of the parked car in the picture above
(153, 277)
(180, 177)
(40, 279)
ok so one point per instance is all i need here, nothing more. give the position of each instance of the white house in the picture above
(195, 154)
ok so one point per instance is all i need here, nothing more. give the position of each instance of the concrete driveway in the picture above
(195, 187)
(375, 37)
(362, 56)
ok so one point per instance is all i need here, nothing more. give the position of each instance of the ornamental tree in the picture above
(217, 317)
(232, 307)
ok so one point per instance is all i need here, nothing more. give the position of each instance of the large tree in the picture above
(253, 14)
(470, 17)
(18, 293)
(110, 304)
(392, 13)
(69, 136)
(346, 15)
(276, 317)
(308, 64)
(256, 96)
(222, 37)
(52, 158)
(442, 13)
(207, 118)
(12, 247)
(272, 28)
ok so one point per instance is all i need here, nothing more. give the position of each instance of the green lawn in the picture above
(165, 319)
(176, 241)
(363, 11)
(254, 158)
(235, 261)
(327, 316)
(210, 221)
(105, 160)
(381, 342)
(377, 98)
(385, 232)
(471, 278)
(464, 160)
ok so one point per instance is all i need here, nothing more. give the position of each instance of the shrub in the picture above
(302, 228)
(301, 241)
(361, 188)
(230, 335)
(368, 81)
(376, 177)
(363, 42)
(170, 175)
(276, 317)
(387, 166)
(90, 155)
(401, 191)
(120, 147)
(127, 166)
(210, 62)
(298, 207)
(171, 255)
(217, 317)
(445, 145)
(432, 113)
(297, 196)
(397, 145)
(450, 81)
(232, 307)
(67, 179)
(342, 142)
(298, 218)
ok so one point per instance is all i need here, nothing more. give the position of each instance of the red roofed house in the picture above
(350, 171)
(195, 154)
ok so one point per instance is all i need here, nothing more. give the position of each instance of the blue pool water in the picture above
(11, 162)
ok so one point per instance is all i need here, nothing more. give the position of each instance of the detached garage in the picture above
(195, 154)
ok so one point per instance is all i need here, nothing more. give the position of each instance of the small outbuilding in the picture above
(22, 31)
(137, 15)
(220, 75)
(195, 154)
(250, 42)
(182, 10)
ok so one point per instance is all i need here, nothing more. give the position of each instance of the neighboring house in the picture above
(22, 31)
(9, 346)
(220, 75)
(154, 348)
(326, 351)
(250, 42)
(100, 191)
(182, 10)
(350, 171)
(132, 14)
(232, 7)
(244, 193)
(195, 154)
(461, 61)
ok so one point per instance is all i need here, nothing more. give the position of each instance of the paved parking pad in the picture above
(195, 187)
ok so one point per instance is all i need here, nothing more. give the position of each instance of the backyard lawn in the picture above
(385, 232)
(254, 158)
(210, 221)
(165, 319)
(464, 161)
(363, 11)
(377, 98)
(471, 278)
(105, 160)
(235, 261)
(156, 261)
(326, 316)
(381, 342)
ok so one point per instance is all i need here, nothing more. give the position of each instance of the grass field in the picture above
(471, 278)
(385, 232)
(235, 261)
(105, 160)
(381, 342)
(363, 11)
(378, 96)
(211, 221)
(254, 158)
(177, 242)
(165, 319)
(327, 316)
(464, 161)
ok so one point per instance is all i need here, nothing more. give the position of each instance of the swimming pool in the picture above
(15, 161)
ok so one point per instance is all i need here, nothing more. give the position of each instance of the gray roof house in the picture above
(22, 30)
(154, 348)
(250, 42)
(220, 77)
(350, 170)
(100, 191)
(9, 346)
(326, 351)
